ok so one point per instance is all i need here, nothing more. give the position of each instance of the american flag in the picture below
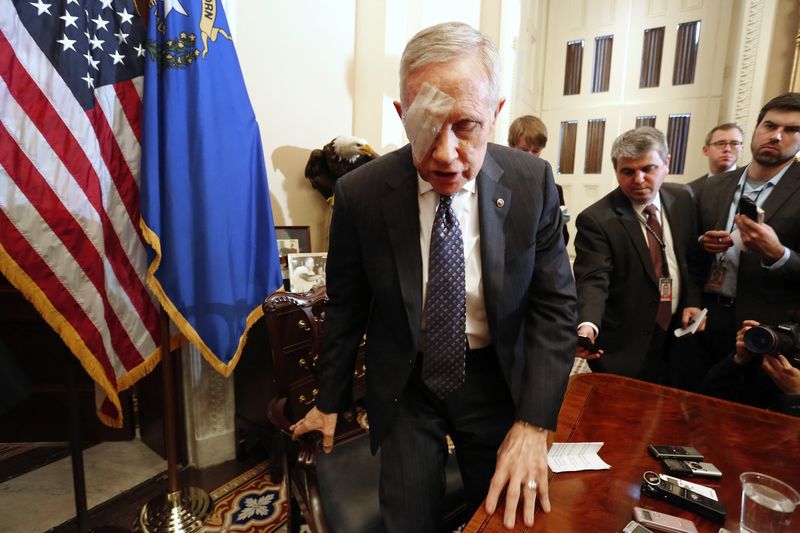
(70, 134)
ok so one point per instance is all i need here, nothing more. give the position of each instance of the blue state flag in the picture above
(205, 199)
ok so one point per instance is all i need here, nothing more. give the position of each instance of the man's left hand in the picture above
(521, 458)
(785, 376)
(688, 315)
(759, 238)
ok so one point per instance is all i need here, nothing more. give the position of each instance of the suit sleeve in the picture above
(593, 268)
(347, 308)
(550, 319)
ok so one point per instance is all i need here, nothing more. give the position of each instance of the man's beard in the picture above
(772, 160)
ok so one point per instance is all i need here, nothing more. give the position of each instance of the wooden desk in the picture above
(628, 415)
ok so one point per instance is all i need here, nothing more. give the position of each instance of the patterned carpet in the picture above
(248, 503)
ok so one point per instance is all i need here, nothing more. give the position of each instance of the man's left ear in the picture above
(500, 105)
(399, 108)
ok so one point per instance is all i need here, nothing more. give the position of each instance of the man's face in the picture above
(641, 177)
(724, 150)
(533, 150)
(457, 152)
(777, 138)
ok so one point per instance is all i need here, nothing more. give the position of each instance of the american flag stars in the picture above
(101, 36)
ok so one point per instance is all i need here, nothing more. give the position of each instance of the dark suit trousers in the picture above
(477, 417)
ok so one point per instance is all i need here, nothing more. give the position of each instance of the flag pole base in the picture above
(184, 510)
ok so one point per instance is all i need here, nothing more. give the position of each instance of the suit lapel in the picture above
(789, 184)
(492, 215)
(725, 197)
(630, 222)
(401, 212)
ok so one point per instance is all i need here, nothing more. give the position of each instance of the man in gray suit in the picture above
(630, 262)
(750, 269)
(508, 351)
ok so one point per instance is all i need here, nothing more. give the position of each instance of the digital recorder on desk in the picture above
(655, 487)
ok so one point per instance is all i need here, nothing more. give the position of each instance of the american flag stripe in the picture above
(51, 291)
(59, 136)
(130, 99)
(69, 214)
(53, 214)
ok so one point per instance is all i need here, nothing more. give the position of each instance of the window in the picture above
(686, 45)
(566, 156)
(572, 74)
(652, 50)
(646, 120)
(677, 138)
(595, 134)
(602, 63)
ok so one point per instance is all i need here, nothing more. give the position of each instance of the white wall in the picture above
(297, 60)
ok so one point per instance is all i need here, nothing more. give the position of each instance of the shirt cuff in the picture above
(591, 325)
(780, 262)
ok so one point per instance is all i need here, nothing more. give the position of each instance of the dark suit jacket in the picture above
(374, 276)
(696, 186)
(761, 294)
(617, 286)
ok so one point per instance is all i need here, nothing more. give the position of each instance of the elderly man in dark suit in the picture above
(751, 269)
(630, 262)
(448, 252)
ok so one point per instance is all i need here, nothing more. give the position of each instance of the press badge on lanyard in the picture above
(665, 289)
(716, 277)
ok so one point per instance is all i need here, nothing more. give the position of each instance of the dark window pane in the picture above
(566, 157)
(686, 45)
(677, 138)
(602, 63)
(595, 134)
(646, 120)
(572, 73)
(652, 50)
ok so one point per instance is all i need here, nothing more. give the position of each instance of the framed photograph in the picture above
(302, 234)
(306, 271)
(291, 240)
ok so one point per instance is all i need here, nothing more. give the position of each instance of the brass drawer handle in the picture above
(302, 324)
(305, 401)
(360, 372)
(303, 362)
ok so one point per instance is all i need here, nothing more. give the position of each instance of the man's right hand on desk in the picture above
(316, 420)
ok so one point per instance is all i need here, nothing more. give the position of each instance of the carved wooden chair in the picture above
(337, 491)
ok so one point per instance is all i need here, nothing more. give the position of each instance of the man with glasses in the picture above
(723, 148)
(749, 266)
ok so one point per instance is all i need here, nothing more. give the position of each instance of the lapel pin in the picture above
(500, 202)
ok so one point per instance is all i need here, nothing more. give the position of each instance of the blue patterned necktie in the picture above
(446, 307)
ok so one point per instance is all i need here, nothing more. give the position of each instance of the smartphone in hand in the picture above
(587, 344)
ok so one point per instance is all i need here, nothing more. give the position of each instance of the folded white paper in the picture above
(575, 456)
(693, 325)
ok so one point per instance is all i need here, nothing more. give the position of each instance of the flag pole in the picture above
(179, 510)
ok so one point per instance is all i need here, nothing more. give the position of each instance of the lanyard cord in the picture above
(661, 244)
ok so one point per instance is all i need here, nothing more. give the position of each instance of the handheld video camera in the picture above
(773, 340)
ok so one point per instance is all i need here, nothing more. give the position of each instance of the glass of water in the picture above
(767, 504)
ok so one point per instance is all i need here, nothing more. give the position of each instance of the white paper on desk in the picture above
(692, 327)
(575, 456)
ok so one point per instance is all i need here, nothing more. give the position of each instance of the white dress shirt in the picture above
(465, 207)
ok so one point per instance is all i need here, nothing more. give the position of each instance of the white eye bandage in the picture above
(425, 117)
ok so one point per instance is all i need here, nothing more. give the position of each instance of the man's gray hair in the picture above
(446, 42)
(636, 143)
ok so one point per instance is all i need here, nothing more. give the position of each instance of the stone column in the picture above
(208, 400)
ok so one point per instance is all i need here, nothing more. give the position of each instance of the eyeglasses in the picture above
(722, 144)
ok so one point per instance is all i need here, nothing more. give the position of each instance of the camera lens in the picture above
(760, 340)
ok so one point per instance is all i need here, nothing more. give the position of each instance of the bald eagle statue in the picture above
(337, 158)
